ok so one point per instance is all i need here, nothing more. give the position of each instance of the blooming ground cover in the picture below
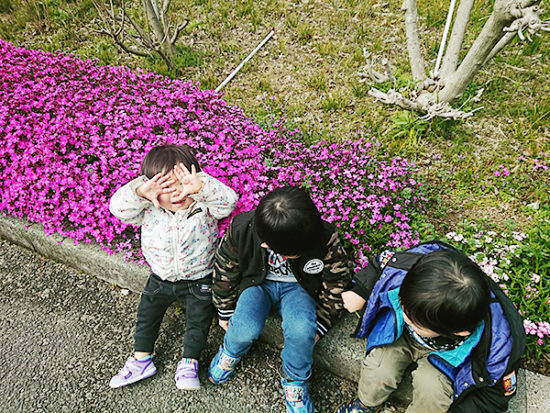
(518, 262)
(74, 131)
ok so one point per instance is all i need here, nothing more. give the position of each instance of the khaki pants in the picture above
(383, 368)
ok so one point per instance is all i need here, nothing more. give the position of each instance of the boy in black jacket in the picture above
(282, 256)
(434, 306)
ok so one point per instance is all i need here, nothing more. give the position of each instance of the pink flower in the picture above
(73, 132)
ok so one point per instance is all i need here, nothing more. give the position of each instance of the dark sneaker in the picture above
(133, 371)
(222, 366)
(297, 397)
(355, 406)
(187, 374)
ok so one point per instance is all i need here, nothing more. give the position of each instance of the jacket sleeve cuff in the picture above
(361, 290)
(321, 329)
(134, 184)
(225, 314)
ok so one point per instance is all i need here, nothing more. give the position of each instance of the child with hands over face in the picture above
(178, 207)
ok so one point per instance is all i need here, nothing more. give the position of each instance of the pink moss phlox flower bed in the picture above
(72, 132)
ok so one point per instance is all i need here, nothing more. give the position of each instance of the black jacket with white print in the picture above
(324, 272)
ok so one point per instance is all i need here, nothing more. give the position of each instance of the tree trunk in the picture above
(452, 54)
(413, 44)
(153, 16)
(504, 13)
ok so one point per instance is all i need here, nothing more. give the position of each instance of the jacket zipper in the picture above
(175, 230)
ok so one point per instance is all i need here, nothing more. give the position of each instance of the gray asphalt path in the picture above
(63, 334)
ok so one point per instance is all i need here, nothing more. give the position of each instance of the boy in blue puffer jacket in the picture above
(434, 306)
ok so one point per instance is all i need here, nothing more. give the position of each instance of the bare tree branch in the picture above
(432, 96)
(507, 38)
(157, 38)
(155, 18)
(504, 13)
(428, 108)
(530, 21)
(178, 30)
(369, 72)
(452, 54)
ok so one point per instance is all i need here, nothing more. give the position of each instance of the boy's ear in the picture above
(463, 333)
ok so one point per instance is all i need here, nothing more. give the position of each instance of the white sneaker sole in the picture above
(133, 380)
(183, 387)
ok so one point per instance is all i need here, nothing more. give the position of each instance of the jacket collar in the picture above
(454, 357)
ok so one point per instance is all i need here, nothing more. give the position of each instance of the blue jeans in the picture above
(296, 307)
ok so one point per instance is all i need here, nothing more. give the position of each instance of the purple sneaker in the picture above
(187, 375)
(134, 370)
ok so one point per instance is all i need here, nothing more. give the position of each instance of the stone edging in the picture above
(337, 352)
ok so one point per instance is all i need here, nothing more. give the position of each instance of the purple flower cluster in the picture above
(73, 132)
(541, 329)
(501, 171)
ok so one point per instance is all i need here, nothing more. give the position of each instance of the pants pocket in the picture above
(152, 287)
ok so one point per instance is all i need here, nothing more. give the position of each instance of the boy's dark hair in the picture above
(445, 292)
(288, 221)
(161, 159)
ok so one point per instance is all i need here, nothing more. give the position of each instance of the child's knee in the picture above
(378, 367)
(246, 331)
(432, 390)
(302, 329)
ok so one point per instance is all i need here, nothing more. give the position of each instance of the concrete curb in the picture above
(337, 352)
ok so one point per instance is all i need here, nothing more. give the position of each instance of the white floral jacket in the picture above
(180, 245)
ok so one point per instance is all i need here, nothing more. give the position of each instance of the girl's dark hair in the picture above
(288, 221)
(161, 159)
(445, 292)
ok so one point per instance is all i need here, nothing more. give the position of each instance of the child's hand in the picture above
(352, 301)
(157, 185)
(191, 184)
(223, 324)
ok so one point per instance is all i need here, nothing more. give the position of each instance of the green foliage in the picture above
(519, 262)
(5, 6)
(209, 80)
(317, 81)
(334, 101)
(264, 85)
(326, 48)
(247, 8)
(305, 32)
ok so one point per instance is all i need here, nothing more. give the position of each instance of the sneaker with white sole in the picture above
(187, 374)
(355, 406)
(222, 366)
(297, 397)
(133, 371)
